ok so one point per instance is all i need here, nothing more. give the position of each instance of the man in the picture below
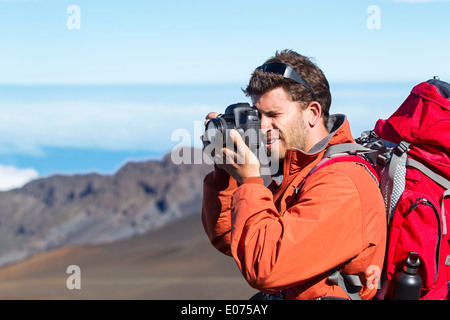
(288, 238)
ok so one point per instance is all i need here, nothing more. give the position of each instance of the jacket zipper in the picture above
(423, 201)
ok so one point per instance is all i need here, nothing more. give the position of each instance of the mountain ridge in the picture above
(86, 209)
(175, 262)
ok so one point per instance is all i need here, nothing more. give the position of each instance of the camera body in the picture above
(240, 116)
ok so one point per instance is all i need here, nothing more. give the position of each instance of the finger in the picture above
(229, 156)
(240, 148)
(238, 141)
(211, 115)
(245, 155)
(217, 159)
(221, 159)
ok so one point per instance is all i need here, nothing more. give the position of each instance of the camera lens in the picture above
(213, 127)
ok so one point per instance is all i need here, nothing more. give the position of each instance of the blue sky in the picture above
(220, 41)
(189, 44)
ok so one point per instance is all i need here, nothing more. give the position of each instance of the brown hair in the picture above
(261, 82)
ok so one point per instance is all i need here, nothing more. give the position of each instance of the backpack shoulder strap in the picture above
(345, 152)
(346, 148)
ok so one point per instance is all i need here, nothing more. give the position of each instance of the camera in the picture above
(240, 116)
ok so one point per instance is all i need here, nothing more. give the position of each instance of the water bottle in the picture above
(407, 283)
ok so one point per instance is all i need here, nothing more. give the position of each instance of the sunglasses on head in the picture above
(287, 72)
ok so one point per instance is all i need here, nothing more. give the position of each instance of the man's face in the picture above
(282, 122)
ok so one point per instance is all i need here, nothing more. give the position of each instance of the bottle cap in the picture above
(412, 263)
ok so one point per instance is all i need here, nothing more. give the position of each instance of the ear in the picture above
(313, 113)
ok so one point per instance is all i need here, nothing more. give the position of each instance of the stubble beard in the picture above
(294, 138)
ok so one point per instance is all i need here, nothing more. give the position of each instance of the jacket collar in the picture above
(339, 132)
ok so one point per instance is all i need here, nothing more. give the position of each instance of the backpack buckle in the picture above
(401, 148)
(381, 160)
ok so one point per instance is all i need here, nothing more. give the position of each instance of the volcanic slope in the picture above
(175, 262)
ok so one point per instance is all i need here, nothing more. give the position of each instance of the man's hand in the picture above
(241, 164)
(210, 116)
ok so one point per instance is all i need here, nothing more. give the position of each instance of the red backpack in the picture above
(409, 153)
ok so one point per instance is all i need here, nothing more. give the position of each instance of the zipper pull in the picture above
(419, 200)
(296, 190)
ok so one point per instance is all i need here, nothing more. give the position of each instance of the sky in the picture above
(176, 41)
(86, 85)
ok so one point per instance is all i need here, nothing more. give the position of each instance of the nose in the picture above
(266, 124)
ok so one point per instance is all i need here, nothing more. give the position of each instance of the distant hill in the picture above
(93, 209)
(175, 262)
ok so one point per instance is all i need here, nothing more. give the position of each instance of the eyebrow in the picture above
(271, 111)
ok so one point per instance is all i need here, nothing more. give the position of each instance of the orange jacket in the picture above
(279, 244)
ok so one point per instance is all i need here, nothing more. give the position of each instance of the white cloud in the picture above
(28, 127)
(12, 177)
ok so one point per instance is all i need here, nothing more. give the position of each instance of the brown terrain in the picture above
(136, 234)
(176, 262)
